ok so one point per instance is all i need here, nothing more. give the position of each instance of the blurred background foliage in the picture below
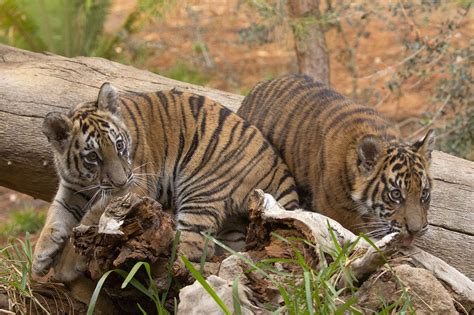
(411, 59)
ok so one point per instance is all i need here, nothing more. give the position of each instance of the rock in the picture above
(194, 299)
(231, 268)
(427, 293)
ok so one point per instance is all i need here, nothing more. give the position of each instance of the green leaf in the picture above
(344, 307)
(235, 297)
(95, 294)
(308, 291)
(132, 273)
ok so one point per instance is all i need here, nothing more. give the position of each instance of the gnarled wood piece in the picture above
(130, 229)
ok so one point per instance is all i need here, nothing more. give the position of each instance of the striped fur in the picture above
(190, 153)
(348, 161)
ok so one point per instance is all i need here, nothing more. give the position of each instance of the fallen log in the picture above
(33, 84)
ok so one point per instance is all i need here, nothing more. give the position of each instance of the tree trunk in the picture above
(33, 84)
(310, 41)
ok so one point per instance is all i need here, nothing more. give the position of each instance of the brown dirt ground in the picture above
(236, 67)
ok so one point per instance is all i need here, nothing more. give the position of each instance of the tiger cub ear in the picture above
(108, 99)
(368, 151)
(57, 128)
(426, 145)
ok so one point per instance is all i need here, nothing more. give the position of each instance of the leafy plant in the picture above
(69, 28)
(306, 290)
(433, 56)
(185, 73)
(15, 277)
(19, 222)
(151, 291)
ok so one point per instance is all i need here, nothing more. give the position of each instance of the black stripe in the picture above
(135, 126)
(76, 213)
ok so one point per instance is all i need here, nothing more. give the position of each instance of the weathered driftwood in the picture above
(317, 228)
(33, 84)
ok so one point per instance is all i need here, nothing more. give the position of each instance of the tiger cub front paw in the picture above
(192, 245)
(49, 244)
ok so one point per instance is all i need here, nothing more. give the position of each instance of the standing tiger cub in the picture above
(188, 152)
(348, 162)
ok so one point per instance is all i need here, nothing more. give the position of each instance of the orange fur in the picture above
(345, 157)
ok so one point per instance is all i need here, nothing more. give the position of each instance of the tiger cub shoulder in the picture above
(185, 150)
(348, 161)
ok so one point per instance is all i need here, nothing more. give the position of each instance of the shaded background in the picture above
(412, 60)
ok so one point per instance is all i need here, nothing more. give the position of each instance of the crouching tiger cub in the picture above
(348, 162)
(188, 152)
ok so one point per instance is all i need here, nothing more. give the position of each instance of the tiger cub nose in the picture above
(119, 184)
(417, 230)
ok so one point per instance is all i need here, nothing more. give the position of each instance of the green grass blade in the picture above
(235, 297)
(308, 291)
(346, 306)
(141, 309)
(205, 285)
(132, 273)
(334, 238)
(203, 255)
(245, 259)
(95, 295)
(135, 283)
(175, 246)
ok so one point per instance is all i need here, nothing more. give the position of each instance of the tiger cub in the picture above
(348, 162)
(188, 152)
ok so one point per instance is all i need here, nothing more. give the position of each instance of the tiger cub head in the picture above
(91, 144)
(393, 186)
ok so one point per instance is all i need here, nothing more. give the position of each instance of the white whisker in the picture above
(140, 166)
(145, 174)
(91, 201)
(87, 188)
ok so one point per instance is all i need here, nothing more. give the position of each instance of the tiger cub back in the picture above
(188, 152)
(348, 161)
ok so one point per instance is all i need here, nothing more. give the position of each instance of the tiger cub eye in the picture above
(91, 157)
(396, 195)
(119, 145)
(425, 194)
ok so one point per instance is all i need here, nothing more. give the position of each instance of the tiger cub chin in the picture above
(348, 162)
(186, 151)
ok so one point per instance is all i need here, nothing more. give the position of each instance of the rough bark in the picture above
(131, 229)
(310, 42)
(33, 84)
